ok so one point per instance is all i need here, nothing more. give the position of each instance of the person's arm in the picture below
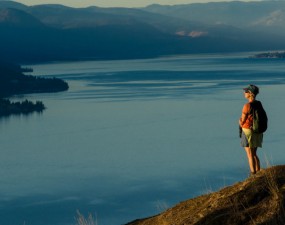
(244, 114)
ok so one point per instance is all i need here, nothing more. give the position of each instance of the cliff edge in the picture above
(258, 200)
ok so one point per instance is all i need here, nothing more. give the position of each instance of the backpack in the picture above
(259, 116)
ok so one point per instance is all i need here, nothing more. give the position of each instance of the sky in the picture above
(117, 3)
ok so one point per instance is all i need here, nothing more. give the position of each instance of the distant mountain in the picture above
(20, 42)
(18, 18)
(56, 32)
(91, 17)
(259, 15)
(11, 4)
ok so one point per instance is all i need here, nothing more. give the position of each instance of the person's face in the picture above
(246, 94)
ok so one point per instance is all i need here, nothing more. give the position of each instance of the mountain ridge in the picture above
(16, 17)
(56, 32)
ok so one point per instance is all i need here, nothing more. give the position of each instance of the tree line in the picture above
(8, 108)
(13, 81)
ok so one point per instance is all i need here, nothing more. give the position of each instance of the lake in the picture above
(131, 138)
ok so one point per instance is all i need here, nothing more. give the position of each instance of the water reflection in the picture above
(22, 116)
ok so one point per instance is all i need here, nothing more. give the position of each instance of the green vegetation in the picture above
(14, 82)
(15, 108)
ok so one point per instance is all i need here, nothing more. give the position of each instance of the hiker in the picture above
(250, 140)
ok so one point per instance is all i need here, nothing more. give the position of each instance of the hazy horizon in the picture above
(122, 3)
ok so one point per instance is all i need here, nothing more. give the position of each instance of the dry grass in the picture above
(81, 220)
(259, 200)
(161, 206)
(275, 187)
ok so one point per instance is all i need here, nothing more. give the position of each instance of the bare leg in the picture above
(251, 160)
(256, 159)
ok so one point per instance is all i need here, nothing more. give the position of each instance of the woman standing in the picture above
(250, 140)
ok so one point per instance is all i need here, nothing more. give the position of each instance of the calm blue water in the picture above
(134, 137)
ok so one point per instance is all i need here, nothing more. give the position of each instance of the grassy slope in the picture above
(257, 200)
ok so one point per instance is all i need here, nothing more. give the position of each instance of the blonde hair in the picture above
(251, 95)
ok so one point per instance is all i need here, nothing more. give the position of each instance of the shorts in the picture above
(250, 139)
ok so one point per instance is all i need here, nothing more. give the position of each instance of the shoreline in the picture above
(270, 55)
(15, 82)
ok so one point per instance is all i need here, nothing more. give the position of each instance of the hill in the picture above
(266, 16)
(56, 32)
(112, 40)
(258, 200)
